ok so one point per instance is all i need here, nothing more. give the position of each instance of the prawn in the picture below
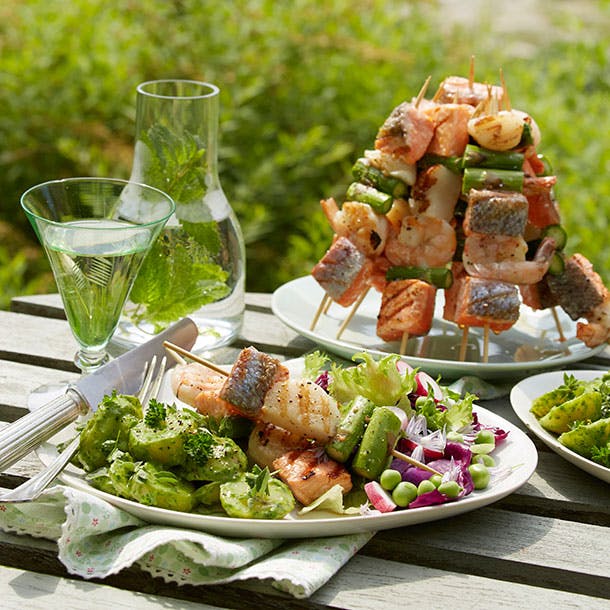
(502, 258)
(421, 241)
(199, 387)
(358, 222)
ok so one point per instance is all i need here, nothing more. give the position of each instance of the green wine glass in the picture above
(96, 233)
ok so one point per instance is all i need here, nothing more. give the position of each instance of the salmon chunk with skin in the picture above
(343, 272)
(407, 306)
(406, 133)
(311, 473)
(496, 212)
(481, 302)
(251, 377)
(579, 289)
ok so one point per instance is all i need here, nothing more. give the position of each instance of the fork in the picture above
(30, 490)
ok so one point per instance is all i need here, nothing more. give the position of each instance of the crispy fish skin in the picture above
(407, 306)
(495, 212)
(579, 289)
(487, 303)
(343, 272)
(250, 379)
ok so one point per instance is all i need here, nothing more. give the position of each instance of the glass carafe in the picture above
(197, 266)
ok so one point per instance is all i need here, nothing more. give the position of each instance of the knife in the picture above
(124, 374)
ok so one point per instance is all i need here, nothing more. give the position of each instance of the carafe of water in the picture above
(197, 266)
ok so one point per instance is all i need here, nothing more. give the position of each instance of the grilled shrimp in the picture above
(268, 442)
(198, 387)
(485, 257)
(303, 408)
(422, 241)
(358, 222)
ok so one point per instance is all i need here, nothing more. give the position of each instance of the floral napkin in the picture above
(96, 539)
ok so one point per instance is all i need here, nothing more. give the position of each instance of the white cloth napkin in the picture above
(96, 539)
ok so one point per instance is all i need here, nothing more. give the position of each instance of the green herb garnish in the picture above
(155, 414)
(200, 446)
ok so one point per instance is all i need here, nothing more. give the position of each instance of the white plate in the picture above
(530, 345)
(517, 452)
(521, 398)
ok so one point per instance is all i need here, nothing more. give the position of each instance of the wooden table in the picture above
(547, 545)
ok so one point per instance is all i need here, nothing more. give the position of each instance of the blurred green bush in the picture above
(305, 85)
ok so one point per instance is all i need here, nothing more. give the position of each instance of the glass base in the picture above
(46, 393)
(213, 333)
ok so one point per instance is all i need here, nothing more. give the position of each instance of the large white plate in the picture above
(531, 345)
(521, 398)
(517, 452)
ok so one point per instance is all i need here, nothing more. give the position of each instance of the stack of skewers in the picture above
(455, 197)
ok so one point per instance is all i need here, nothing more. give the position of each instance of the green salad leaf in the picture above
(380, 381)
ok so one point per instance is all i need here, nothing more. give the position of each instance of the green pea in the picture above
(390, 478)
(480, 475)
(404, 493)
(485, 436)
(485, 459)
(425, 486)
(451, 489)
(436, 479)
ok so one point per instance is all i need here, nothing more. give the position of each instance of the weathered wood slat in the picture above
(365, 583)
(509, 546)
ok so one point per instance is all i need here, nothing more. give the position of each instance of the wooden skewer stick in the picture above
(464, 344)
(403, 343)
(350, 315)
(414, 462)
(329, 302)
(562, 337)
(506, 105)
(179, 350)
(486, 343)
(325, 300)
(422, 92)
(471, 73)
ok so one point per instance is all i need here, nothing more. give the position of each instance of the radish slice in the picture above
(403, 367)
(425, 384)
(379, 497)
(402, 416)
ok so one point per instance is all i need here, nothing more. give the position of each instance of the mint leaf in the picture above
(178, 277)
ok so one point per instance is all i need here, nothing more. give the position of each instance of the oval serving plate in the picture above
(516, 453)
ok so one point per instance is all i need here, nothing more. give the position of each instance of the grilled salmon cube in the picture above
(407, 306)
(450, 129)
(490, 303)
(579, 289)
(251, 377)
(496, 212)
(406, 133)
(310, 473)
(343, 272)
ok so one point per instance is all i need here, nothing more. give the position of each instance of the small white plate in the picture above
(517, 453)
(521, 398)
(531, 345)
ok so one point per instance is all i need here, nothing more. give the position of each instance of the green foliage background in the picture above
(305, 85)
